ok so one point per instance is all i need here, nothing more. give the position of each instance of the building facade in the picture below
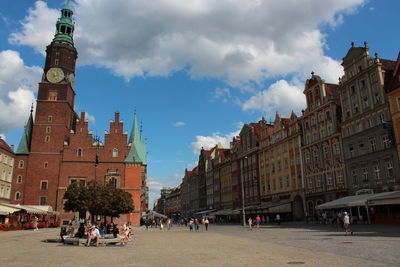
(324, 168)
(367, 129)
(394, 102)
(58, 149)
(281, 180)
(7, 159)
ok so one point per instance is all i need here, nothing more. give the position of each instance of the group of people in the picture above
(95, 232)
(258, 220)
(338, 218)
(194, 223)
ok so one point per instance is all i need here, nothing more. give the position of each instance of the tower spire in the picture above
(135, 130)
(65, 27)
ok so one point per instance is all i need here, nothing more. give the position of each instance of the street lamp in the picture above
(242, 183)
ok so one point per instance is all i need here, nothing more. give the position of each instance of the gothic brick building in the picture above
(57, 148)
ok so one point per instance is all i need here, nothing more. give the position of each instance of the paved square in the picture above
(289, 245)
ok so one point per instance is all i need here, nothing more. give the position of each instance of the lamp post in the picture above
(242, 183)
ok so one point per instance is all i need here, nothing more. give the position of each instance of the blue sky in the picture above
(194, 70)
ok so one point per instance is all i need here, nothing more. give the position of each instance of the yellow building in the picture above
(281, 182)
(6, 171)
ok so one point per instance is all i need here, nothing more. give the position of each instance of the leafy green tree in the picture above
(98, 199)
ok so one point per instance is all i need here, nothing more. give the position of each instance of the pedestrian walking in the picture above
(258, 221)
(169, 223)
(35, 223)
(196, 224)
(346, 224)
(191, 223)
(250, 222)
(278, 219)
(206, 222)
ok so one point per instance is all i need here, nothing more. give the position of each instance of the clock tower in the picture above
(55, 117)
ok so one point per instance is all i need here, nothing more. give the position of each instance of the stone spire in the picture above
(65, 26)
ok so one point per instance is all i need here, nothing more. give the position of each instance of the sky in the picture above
(195, 70)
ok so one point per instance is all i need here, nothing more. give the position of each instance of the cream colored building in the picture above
(281, 181)
(6, 171)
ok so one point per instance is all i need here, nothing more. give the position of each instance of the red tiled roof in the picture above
(387, 64)
(4, 145)
(195, 170)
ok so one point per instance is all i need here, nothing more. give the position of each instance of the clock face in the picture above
(55, 75)
(71, 79)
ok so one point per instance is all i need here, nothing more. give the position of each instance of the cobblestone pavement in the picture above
(288, 245)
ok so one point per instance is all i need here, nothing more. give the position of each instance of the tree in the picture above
(98, 199)
(77, 199)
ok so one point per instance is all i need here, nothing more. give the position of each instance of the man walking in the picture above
(258, 221)
(278, 219)
(250, 221)
(35, 224)
(346, 224)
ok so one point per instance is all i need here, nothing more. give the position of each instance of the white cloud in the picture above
(208, 142)
(238, 41)
(38, 27)
(3, 136)
(280, 96)
(18, 83)
(178, 124)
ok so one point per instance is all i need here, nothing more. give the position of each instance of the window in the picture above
(56, 61)
(79, 152)
(52, 95)
(377, 171)
(389, 168)
(47, 139)
(43, 201)
(351, 150)
(366, 102)
(354, 176)
(43, 185)
(287, 181)
(82, 182)
(318, 181)
(3, 176)
(19, 179)
(315, 155)
(339, 177)
(398, 102)
(329, 180)
(373, 144)
(310, 183)
(115, 153)
(382, 118)
(362, 83)
(17, 195)
(113, 182)
(385, 141)
(365, 174)
(48, 129)
(370, 123)
(337, 149)
(49, 118)
(45, 165)
(21, 164)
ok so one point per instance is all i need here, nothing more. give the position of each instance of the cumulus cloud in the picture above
(179, 123)
(237, 41)
(280, 96)
(38, 27)
(208, 142)
(18, 83)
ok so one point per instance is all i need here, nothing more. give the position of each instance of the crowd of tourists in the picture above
(94, 232)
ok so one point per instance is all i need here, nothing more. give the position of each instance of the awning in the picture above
(225, 212)
(4, 210)
(392, 198)
(154, 214)
(204, 212)
(27, 208)
(350, 201)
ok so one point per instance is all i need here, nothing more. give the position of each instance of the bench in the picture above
(82, 241)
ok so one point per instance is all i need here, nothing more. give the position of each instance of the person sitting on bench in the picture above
(94, 234)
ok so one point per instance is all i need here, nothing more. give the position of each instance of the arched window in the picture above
(79, 152)
(115, 153)
(21, 164)
(17, 195)
(113, 182)
(19, 179)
